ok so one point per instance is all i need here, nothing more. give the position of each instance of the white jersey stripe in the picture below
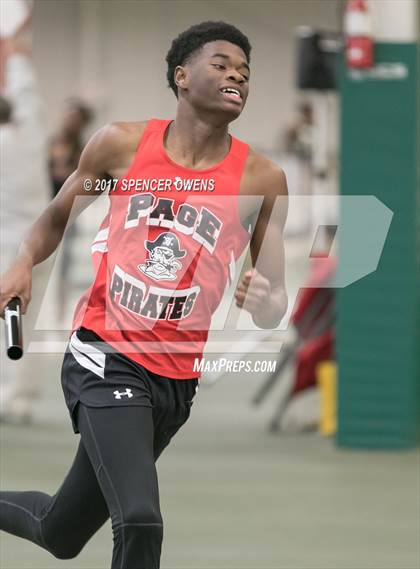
(101, 247)
(102, 235)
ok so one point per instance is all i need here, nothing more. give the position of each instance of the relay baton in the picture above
(13, 325)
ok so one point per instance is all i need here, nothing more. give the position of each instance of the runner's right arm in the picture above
(43, 237)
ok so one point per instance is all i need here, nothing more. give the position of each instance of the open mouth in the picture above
(231, 94)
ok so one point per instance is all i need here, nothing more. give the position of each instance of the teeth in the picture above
(229, 90)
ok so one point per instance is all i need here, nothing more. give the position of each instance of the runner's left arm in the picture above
(262, 290)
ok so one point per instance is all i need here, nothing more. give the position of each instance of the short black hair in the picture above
(195, 37)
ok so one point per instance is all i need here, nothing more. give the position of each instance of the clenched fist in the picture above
(267, 304)
(16, 281)
(253, 292)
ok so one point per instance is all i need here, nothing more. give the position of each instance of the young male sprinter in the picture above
(162, 261)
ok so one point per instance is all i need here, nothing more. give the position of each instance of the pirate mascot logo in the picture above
(162, 263)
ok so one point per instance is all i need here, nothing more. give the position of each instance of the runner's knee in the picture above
(140, 514)
(63, 545)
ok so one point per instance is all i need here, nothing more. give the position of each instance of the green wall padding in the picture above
(378, 328)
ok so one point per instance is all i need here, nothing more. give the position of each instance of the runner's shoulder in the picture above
(121, 134)
(266, 177)
(108, 145)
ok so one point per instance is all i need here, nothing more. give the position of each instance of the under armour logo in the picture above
(119, 394)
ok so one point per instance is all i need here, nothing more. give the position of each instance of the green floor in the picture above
(233, 496)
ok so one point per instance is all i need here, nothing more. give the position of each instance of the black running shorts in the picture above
(100, 377)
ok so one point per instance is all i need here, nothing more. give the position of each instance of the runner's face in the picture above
(217, 66)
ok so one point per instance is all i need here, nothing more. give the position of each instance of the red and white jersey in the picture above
(163, 256)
